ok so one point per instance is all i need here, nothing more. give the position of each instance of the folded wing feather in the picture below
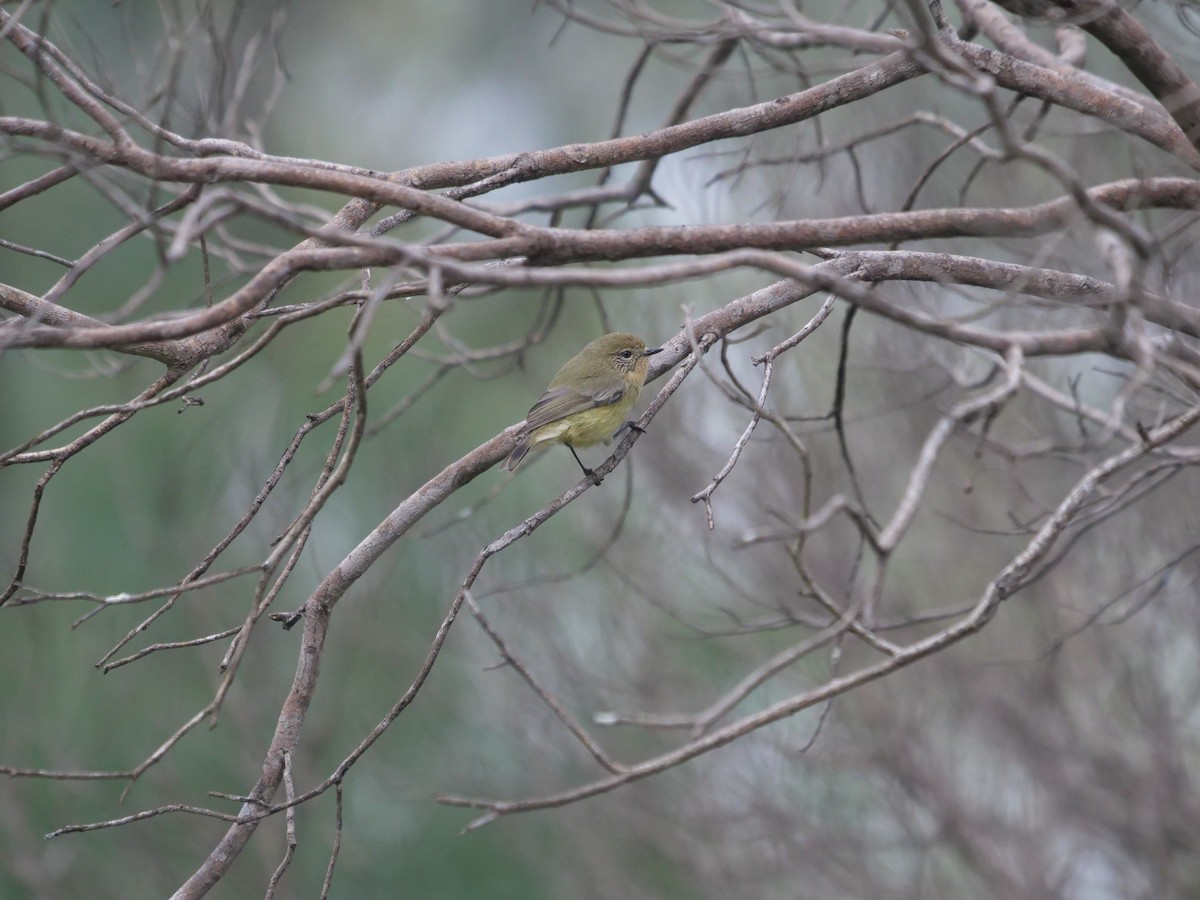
(558, 403)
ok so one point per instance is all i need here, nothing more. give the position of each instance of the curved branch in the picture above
(1007, 582)
(1137, 48)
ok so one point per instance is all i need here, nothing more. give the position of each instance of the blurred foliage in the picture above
(390, 85)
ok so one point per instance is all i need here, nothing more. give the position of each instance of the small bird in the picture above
(588, 399)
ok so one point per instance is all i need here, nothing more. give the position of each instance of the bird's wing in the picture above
(558, 403)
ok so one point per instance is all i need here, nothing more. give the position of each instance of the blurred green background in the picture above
(384, 86)
(387, 86)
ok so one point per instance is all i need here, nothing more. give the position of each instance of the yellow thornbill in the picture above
(589, 398)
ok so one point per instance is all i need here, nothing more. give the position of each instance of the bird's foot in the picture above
(631, 426)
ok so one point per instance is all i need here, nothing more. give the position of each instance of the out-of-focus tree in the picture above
(924, 278)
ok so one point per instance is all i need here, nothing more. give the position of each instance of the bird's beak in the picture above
(652, 351)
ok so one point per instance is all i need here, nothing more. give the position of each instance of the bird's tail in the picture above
(518, 454)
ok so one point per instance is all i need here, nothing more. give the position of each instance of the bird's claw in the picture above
(631, 426)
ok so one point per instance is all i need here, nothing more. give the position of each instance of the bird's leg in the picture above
(596, 479)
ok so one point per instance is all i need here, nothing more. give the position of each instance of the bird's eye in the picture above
(626, 354)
